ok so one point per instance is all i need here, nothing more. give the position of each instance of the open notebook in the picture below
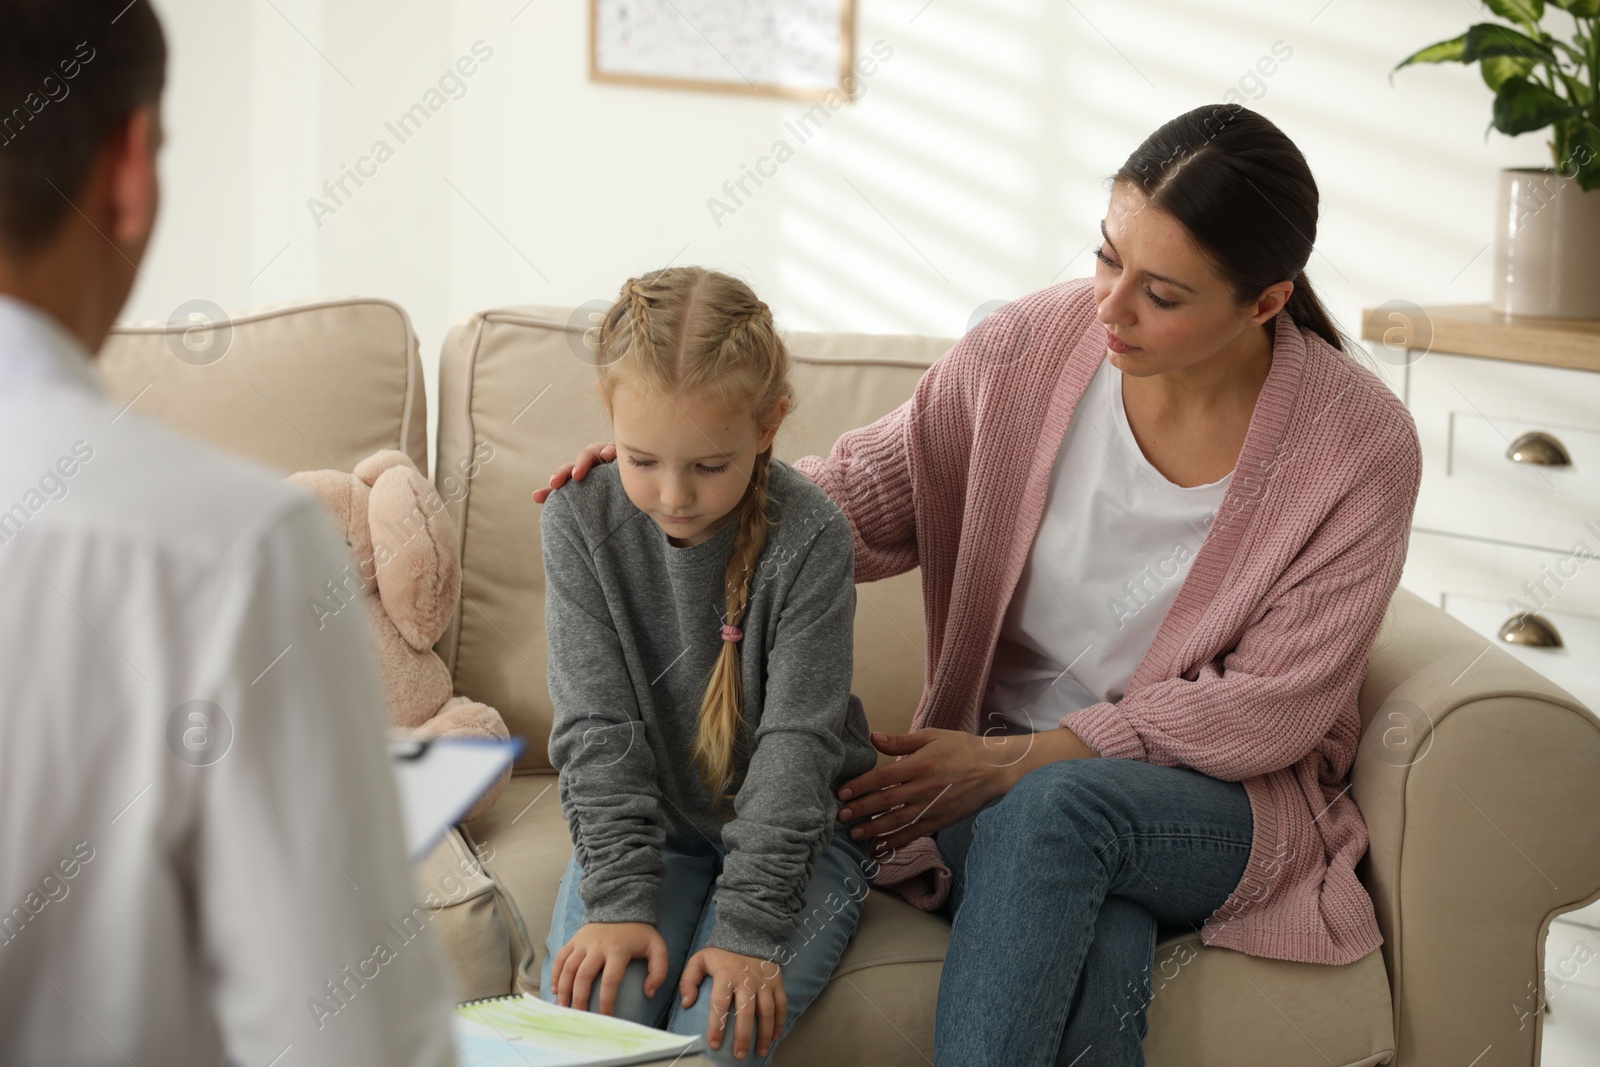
(525, 1031)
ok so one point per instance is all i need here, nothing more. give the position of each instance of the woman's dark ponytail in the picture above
(1244, 192)
(1307, 311)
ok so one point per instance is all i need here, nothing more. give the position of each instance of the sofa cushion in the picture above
(1214, 1007)
(517, 400)
(301, 386)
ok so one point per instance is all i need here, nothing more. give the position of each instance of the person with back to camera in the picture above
(700, 605)
(1146, 654)
(200, 835)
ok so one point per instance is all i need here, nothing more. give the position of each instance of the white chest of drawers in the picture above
(1506, 535)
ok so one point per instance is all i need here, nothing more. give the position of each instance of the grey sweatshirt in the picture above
(634, 627)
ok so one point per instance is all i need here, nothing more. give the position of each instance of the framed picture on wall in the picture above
(794, 48)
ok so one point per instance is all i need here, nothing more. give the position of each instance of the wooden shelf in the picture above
(1475, 330)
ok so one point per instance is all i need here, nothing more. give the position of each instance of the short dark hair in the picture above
(70, 72)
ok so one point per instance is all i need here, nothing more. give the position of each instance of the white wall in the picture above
(971, 170)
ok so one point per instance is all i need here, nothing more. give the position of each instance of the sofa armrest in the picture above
(1479, 781)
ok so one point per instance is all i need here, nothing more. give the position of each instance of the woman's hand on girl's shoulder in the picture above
(591, 456)
(605, 949)
(749, 986)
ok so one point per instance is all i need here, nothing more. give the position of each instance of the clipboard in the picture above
(440, 778)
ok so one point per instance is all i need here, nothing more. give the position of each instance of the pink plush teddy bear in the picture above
(407, 575)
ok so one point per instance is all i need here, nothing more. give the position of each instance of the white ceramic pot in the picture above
(1546, 246)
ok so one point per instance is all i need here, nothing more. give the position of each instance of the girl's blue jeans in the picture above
(1058, 890)
(685, 914)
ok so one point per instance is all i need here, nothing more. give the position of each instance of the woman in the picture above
(1145, 654)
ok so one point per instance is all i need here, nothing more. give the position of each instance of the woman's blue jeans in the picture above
(1058, 889)
(685, 914)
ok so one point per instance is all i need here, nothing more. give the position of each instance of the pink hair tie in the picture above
(731, 633)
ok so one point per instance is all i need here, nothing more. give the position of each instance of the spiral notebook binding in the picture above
(499, 996)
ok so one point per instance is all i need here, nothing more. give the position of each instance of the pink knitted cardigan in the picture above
(1253, 674)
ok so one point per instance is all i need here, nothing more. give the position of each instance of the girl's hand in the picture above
(593, 455)
(948, 775)
(607, 947)
(754, 985)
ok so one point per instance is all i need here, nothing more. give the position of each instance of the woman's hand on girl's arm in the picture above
(592, 456)
(753, 985)
(946, 775)
(605, 949)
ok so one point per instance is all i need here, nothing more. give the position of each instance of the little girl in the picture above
(699, 606)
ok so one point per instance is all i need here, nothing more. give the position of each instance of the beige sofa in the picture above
(1479, 780)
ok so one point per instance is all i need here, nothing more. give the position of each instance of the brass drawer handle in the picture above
(1540, 449)
(1531, 630)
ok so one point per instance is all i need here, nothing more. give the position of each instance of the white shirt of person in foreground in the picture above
(200, 846)
(201, 857)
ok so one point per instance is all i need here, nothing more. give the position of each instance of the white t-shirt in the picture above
(200, 843)
(1113, 546)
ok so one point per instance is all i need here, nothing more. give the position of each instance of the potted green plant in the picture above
(1547, 237)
